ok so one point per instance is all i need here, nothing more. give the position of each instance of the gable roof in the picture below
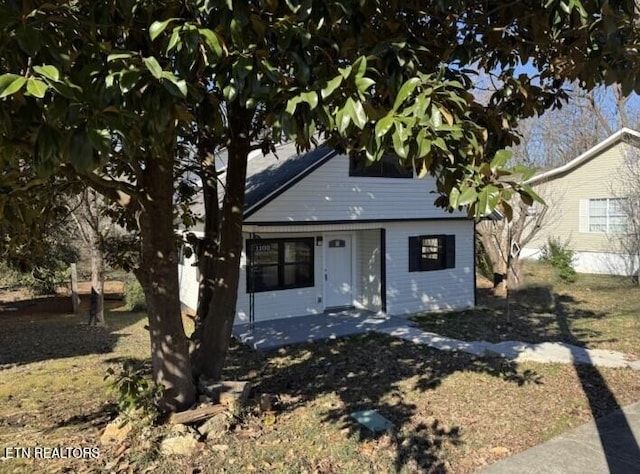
(624, 134)
(270, 175)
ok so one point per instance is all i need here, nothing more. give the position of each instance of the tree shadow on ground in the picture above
(381, 373)
(27, 338)
(602, 401)
(528, 316)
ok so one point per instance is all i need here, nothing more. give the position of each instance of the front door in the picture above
(338, 273)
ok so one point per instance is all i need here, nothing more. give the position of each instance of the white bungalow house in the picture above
(586, 200)
(321, 234)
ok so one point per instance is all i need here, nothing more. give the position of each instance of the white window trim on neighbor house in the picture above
(605, 220)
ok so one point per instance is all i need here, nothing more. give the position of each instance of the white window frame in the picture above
(586, 217)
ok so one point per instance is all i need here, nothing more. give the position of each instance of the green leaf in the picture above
(467, 196)
(487, 200)
(181, 85)
(406, 90)
(454, 195)
(153, 66)
(331, 86)
(36, 88)
(120, 55)
(10, 84)
(50, 72)
(360, 66)
(230, 93)
(363, 83)
(310, 98)
(500, 158)
(384, 125)
(356, 113)
(211, 40)
(157, 27)
(175, 38)
(398, 141)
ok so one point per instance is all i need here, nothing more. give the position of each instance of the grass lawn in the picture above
(597, 311)
(452, 412)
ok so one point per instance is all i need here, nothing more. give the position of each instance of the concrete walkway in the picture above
(269, 335)
(609, 444)
(546, 352)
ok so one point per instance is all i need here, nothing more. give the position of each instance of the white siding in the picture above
(282, 303)
(604, 263)
(188, 279)
(368, 265)
(329, 194)
(411, 292)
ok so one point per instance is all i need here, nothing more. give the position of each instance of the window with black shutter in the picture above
(432, 252)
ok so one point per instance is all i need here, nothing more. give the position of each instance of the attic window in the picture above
(389, 166)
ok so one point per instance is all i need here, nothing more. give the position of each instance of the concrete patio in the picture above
(269, 335)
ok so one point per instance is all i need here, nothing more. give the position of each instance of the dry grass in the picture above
(597, 311)
(452, 412)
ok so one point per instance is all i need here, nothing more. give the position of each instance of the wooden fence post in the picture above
(75, 299)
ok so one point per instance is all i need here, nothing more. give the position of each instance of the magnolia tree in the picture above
(127, 96)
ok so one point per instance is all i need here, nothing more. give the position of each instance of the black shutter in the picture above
(414, 254)
(450, 251)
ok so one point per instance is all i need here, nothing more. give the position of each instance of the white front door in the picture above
(338, 271)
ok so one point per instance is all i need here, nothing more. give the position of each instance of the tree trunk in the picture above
(158, 275)
(207, 252)
(218, 323)
(96, 310)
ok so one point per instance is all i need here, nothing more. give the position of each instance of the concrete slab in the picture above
(434, 340)
(609, 444)
(270, 335)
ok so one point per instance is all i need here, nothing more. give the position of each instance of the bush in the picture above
(134, 296)
(135, 392)
(560, 256)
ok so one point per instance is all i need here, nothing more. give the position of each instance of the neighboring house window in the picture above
(279, 264)
(607, 216)
(388, 166)
(432, 252)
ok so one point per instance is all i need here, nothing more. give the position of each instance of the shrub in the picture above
(135, 393)
(560, 256)
(134, 296)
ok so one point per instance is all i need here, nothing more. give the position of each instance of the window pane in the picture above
(265, 277)
(617, 224)
(616, 207)
(297, 275)
(265, 253)
(597, 208)
(430, 248)
(598, 224)
(297, 252)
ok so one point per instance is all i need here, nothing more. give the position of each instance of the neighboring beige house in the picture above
(584, 198)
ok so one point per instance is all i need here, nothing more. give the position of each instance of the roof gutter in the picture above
(587, 155)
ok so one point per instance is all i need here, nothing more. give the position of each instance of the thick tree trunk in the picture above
(218, 323)
(158, 275)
